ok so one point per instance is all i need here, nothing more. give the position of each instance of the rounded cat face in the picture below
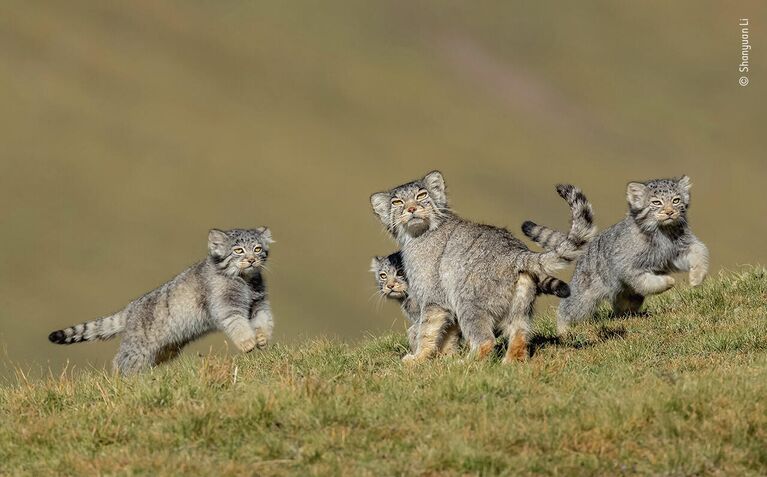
(660, 202)
(390, 278)
(239, 252)
(413, 208)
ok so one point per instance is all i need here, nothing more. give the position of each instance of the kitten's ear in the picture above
(381, 202)
(375, 263)
(218, 242)
(266, 234)
(435, 184)
(684, 184)
(635, 194)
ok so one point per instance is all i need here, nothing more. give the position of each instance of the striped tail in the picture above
(101, 329)
(561, 249)
(553, 286)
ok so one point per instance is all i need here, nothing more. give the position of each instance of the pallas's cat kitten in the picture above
(480, 274)
(633, 258)
(223, 292)
(392, 283)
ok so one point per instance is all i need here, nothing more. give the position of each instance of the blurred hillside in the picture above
(128, 130)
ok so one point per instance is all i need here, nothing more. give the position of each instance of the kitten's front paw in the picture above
(409, 358)
(670, 282)
(246, 345)
(261, 340)
(697, 276)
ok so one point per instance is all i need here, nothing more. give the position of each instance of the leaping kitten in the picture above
(225, 291)
(632, 259)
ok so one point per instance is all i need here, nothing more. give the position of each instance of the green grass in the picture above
(678, 392)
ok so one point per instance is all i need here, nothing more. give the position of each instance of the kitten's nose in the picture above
(411, 209)
(391, 286)
(251, 259)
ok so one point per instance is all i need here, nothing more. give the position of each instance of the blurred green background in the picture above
(128, 129)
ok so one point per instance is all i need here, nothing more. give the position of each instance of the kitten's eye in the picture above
(656, 202)
(397, 202)
(382, 275)
(676, 200)
(422, 195)
(239, 250)
(258, 249)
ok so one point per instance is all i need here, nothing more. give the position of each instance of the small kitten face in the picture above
(389, 276)
(239, 252)
(411, 209)
(660, 202)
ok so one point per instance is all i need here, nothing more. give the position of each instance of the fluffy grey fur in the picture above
(225, 292)
(481, 274)
(632, 259)
(391, 283)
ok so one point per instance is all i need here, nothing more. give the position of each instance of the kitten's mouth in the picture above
(395, 294)
(416, 226)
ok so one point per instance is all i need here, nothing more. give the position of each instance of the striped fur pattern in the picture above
(225, 292)
(582, 228)
(633, 258)
(99, 329)
(481, 274)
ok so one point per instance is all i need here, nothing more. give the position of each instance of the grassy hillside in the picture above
(678, 392)
(128, 129)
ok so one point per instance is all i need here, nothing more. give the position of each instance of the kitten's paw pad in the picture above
(261, 341)
(246, 345)
(696, 277)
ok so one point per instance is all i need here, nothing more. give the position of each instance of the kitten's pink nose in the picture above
(411, 209)
(391, 286)
(252, 259)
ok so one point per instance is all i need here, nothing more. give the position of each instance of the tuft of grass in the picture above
(679, 391)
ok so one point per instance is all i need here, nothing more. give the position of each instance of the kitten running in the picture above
(225, 291)
(632, 259)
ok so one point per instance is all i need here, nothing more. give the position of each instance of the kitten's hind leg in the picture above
(450, 344)
(131, 359)
(477, 326)
(432, 325)
(517, 325)
(581, 304)
(627, 303)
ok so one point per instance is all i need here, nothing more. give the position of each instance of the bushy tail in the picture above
(101, 329)
(561, 249)
(554, 286)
